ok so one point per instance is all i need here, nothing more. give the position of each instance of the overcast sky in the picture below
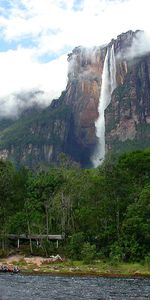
(36, 35)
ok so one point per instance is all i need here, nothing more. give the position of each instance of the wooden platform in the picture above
(34, 237)
(55, 237)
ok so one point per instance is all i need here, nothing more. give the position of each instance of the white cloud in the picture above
(53, 26)
(140, 45)
(96, 23)
(20, 72)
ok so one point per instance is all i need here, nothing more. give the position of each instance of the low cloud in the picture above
(140, 45)
(21, 74)
(13, 105)
(80, 62)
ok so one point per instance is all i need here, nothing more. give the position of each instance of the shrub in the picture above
(75, 245)
(116, 254)
(88, 252)
(147, 260)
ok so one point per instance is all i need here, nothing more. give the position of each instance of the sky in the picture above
(37, 35)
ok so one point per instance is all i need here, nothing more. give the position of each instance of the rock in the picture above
(52, 259)
(127, 117)
(137, 273)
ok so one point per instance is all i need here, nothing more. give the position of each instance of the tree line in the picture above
(105, 209)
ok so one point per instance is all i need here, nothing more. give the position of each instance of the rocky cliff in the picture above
(36, 138)
(128, 115)
(68, 125)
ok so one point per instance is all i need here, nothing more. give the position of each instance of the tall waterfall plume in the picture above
(107, 87)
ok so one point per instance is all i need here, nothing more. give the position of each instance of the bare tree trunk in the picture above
(63, 219)
(29, 233)
(47, 222)
(118, 221)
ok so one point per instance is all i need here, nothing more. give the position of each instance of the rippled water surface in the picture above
(18, 287)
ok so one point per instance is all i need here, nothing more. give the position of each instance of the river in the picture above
(20, 287)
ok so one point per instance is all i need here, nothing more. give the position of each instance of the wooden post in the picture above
(18, 243)
(57, 244)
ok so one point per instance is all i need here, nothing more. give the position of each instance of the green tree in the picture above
(136, 227)
(76, 245)
(6, 195)
(88, 252)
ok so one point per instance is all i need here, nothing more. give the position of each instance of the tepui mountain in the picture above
(68, 125)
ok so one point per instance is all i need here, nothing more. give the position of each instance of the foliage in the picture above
(88, 252)
(147, 260)
(24, 130)
(104, 210)
(76, 244)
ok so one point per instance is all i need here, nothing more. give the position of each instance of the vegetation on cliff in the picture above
(104, 212)
(27, 129)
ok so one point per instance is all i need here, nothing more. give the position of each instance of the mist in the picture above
(80, 63)
(25, 81)
(13, 105)
(140, 45)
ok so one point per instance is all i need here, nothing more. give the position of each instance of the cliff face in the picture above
(128, 115)
(82, 95)
(38, 138)
(68, 125)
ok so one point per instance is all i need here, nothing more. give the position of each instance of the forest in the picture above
(102, 212)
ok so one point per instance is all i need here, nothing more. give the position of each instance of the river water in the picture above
(20, 287)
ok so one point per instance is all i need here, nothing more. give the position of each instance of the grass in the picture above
(96, 268)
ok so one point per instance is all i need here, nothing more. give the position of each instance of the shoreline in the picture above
(45, 267)
(85, 274)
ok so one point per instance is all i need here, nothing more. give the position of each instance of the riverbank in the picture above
(40, 265)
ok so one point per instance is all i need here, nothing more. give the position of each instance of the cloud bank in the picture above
(37, 35)
(20, 74)
(140, 45)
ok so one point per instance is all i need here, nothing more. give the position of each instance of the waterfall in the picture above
(107, 87)
(113, 83)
